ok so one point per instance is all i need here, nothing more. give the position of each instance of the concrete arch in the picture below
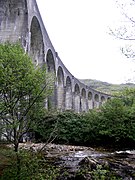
(37, 44)
(90, 95)
(96, 97)
(60, 88)
(90, 102)
(77, 98)
(14, 21)
(50, 63)
(83, 93)
(77, 89)
(68, 94)
(83, 100)
(102, 99)
(96, 100)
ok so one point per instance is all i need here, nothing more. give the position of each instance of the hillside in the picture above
(106, 87)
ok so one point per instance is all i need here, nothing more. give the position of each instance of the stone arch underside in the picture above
(96, 101)
(68, 94)
(102, 99)
(83, 101)
(50, 63)
(36, 42)
(14, 21)
(60, 89)
(90, 102)
(77, 102)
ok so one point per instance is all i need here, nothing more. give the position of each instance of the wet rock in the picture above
(89, 163)
(72, 159)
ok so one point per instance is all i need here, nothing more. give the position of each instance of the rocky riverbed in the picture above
(74, 159)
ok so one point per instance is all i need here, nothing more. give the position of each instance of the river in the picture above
(75, 158)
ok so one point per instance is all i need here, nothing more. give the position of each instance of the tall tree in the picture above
(23, 90)
(126, 29)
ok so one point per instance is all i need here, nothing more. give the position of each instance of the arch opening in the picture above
(102, 99)
(37, 44)
(96, 97)
(77, 102)
(60, 88)
(89, 96)
(83, 100)
(96, 102)
(51, 102)
(68, 98)
(77, 89)
(83, 93)
(50, 61)
(90, 103)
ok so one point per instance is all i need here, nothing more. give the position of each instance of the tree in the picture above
(128, 96)
(126, 28)
(23, 91)
(117, 122)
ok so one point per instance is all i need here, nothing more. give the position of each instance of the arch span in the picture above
(37, 44)
(68, 94)
(50, 63)
(102, 99)
(77, 98)
(96, 98)
(90, 103)
(83, 100)
(60, 88)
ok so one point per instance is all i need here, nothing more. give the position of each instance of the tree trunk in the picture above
(16, 145)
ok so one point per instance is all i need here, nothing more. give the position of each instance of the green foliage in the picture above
(118, 120)
(128, 96)
(26, 165)
(106, 87)
(23, 90)
(111, 125)
(99, 173)
(46, 127)
(103, 174)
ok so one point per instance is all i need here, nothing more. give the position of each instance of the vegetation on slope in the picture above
(106, 87)
(111, 125)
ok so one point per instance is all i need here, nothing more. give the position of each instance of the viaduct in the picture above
(20, 20)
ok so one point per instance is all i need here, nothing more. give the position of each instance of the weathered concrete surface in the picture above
(20, 20)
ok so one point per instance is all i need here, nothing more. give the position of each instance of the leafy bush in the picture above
(26, 165)
(111, 125)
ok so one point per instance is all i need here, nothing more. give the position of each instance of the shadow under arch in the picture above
(83, 100)
(96, 99)
(77, 102)
(36, 42)
(68, 94)
(50, 65)
(60, 88)
(14, 21)
(90, 102)
(102, 100)
(50, 62)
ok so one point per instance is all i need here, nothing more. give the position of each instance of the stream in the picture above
(122, 163)
(72, 159)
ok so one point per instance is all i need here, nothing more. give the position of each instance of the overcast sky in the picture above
(78, 30)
